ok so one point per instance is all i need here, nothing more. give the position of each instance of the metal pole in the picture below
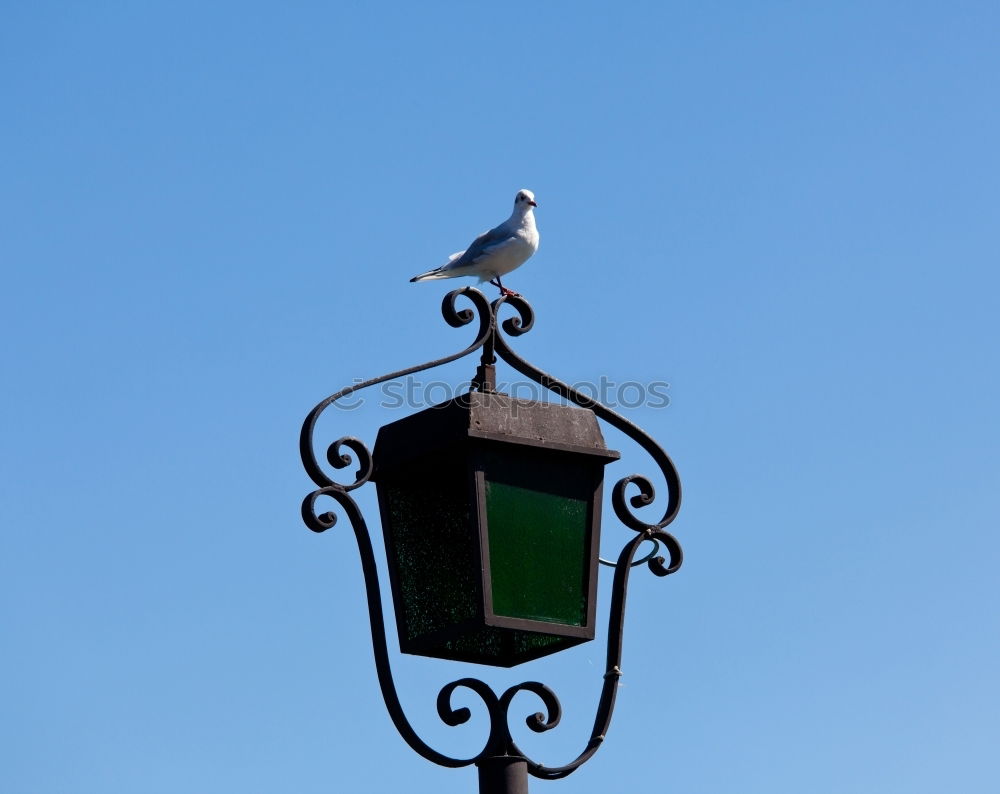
(503, 775)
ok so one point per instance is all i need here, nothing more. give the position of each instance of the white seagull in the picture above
(497, 252)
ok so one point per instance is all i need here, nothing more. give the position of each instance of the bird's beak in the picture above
(533, 203)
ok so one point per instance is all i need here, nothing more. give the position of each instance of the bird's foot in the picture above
(509, 293)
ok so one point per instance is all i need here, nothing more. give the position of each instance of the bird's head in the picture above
(524, 200)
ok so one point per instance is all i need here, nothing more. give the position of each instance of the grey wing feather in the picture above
(478, 247)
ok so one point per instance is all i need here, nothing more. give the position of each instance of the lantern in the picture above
(491, 512)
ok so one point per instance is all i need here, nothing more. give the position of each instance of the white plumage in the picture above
(497, 252)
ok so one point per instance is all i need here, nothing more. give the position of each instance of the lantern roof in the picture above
(490, 416)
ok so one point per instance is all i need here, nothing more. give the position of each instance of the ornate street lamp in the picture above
(491, 515)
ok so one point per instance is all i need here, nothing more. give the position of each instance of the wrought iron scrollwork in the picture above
(456, 318)
(491, 339)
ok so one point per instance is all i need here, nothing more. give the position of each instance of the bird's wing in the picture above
(480, 247)
(494, 248)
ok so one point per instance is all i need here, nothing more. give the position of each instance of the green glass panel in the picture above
(433, 551)
(538, 554)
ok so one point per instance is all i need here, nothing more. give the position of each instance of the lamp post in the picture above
(491, 515)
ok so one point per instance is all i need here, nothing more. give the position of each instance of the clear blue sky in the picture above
(788, 211)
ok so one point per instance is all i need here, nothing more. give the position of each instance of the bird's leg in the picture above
(504, 292)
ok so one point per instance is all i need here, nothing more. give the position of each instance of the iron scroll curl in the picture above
(344, 451)
(456, 318)
(516, 326)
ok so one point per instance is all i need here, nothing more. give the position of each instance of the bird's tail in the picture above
(430, 275)
(439, 272)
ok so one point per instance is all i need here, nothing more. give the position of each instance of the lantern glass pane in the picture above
(434, 552)
(538, 553)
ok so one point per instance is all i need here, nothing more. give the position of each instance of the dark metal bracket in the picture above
(502, 764)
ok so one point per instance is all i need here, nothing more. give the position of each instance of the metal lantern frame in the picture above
(502, 765)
